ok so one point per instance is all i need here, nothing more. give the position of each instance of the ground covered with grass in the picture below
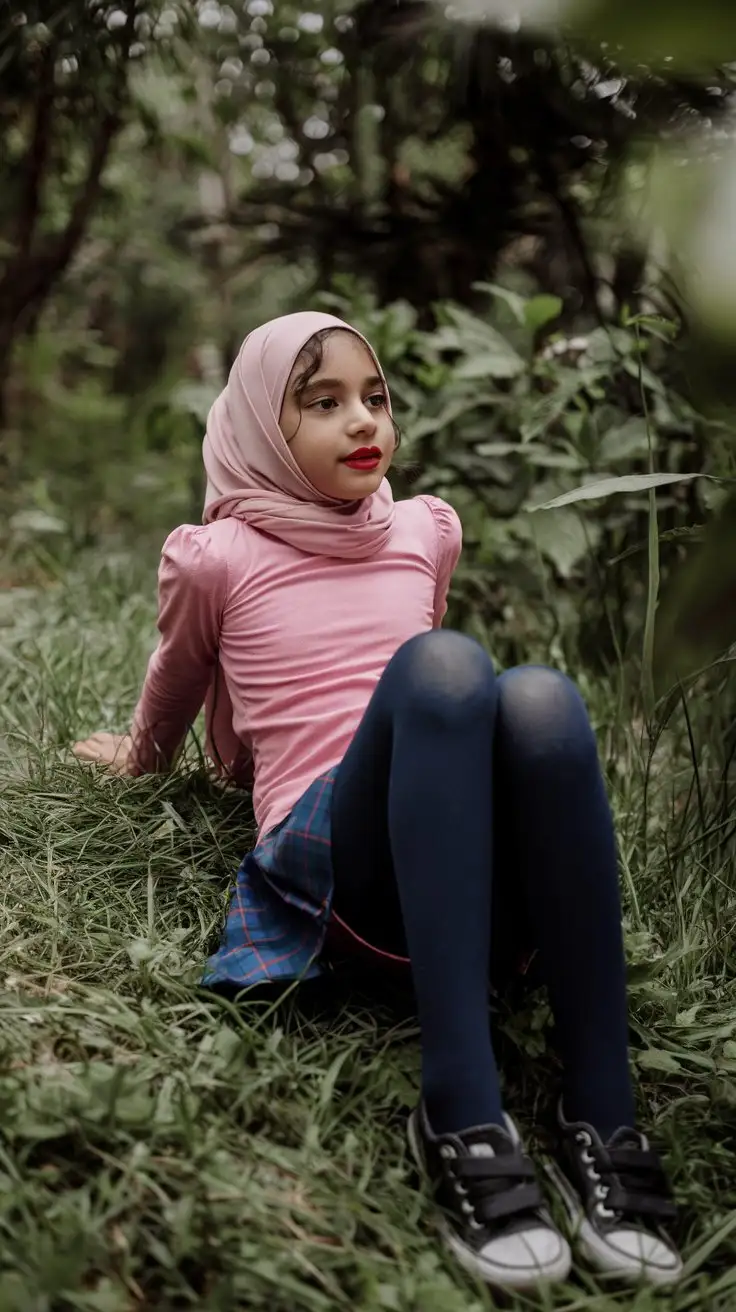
(161, 1149)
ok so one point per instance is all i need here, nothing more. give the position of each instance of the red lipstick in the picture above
(366, 458)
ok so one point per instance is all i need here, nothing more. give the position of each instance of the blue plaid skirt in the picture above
(280, 913)
(280, 905)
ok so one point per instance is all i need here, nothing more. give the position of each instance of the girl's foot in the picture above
(619, 1201)
(495, 1222)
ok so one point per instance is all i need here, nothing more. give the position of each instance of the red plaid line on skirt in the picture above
(280, 905)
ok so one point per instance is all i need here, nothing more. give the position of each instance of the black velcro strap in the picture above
(630, 1159)
(630, 1203)
(526, 1198)
(494, 1168)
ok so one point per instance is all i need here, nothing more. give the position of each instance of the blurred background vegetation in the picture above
(512, 212)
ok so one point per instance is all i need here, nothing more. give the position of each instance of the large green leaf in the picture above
(541, 309)
(425, 427)
(497, 360)
(533, 454)
(565, 539)
(515, 302)
(624, 441)
(606, 487)
(487, 353)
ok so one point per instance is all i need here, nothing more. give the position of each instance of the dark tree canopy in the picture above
(452, 143)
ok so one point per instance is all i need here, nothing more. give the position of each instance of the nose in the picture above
(362, 419)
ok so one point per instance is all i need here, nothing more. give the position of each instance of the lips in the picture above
(366, 458)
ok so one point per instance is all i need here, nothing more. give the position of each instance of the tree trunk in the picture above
(37, 262)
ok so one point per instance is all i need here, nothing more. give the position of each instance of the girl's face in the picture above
(338, 427)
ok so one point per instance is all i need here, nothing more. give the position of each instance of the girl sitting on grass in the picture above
(411, 803)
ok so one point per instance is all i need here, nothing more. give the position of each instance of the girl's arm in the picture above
(184, 667)
(192, 585)
(192, 592)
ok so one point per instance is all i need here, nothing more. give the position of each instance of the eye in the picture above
(324, 404)
(377, 400)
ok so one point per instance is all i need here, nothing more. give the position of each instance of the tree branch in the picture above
(25, 286)
(110, 124)
(30, 203)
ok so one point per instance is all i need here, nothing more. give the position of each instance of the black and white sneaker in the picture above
(619, 1203)
(495, 1222)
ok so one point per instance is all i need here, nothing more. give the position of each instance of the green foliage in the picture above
(350, 136)
(88, 457)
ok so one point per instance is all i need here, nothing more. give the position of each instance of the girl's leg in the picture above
(412, 813)
(557, 823)
(412, 802)
(412, 819)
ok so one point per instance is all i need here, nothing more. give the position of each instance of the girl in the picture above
(408, 799)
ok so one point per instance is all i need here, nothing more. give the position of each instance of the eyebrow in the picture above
(320, 384)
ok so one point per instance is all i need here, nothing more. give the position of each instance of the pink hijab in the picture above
(251, 473)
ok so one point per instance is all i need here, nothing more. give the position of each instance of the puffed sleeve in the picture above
(192, 590)
(449, 545)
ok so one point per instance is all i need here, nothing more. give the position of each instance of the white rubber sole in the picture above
(604, 1259)
(498, 1277)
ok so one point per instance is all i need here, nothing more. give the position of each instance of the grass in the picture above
(161, 1149)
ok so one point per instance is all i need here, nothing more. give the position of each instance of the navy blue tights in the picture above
(463, 793)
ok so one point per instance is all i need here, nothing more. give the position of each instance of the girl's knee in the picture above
(544, 708)
(444, 673)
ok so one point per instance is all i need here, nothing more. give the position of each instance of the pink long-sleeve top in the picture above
(286, 648)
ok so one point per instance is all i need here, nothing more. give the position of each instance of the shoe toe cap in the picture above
(647, 1253)
(536, 1250)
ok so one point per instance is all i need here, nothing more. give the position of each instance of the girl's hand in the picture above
(112, 750)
